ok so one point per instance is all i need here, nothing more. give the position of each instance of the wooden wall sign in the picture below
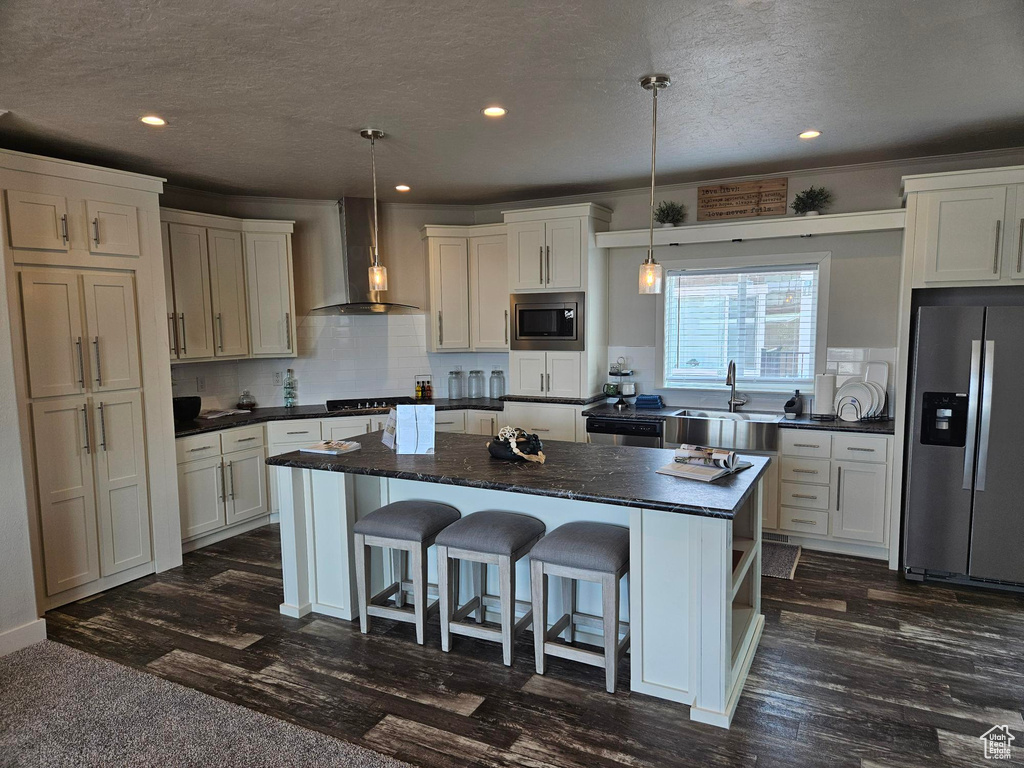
(742, 200)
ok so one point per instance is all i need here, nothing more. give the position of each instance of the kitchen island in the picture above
(692, 598)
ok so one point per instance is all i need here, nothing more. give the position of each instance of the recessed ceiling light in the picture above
(153, 120)
(810, 134)
(403, 188)
(494, 111)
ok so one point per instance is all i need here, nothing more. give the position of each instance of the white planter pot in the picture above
(665, 225)
(811, 213)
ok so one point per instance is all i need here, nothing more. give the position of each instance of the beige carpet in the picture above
(779, 560)
(62, 707)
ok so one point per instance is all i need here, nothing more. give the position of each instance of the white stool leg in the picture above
(569, 607)
(507, 594)
(398, 574)
(444, 596)
(479, 587)
(539, 590)
(362, 581)
(419, 591)
(610, 609)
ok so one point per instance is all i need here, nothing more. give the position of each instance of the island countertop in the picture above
(605, 474)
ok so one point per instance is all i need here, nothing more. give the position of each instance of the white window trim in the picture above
(823, 260)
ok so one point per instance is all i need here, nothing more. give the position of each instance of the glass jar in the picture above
(476, 385)
(455, 385)
(497, 384)
(246, 401)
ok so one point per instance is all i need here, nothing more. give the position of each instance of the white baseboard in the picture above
(21, 637)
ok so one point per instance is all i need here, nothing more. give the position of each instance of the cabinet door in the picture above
(268, 275)
(449, 289)
(1015, 235)
(172, 315)
(67, 501)
(562, 377)
(488, 293)
(247, 485)
(564, 253)
(550, 422)
(37, 221)
(528, 373)
(526, 255)
(54, 335)
(275, 449)
(111, 331)
(962, 241)
(121, 491)
(450, 421)
(860, 501)
(344, 428)
(201, 496)
(190, 264)
(113, 228)
(482, 423)
(227, 288)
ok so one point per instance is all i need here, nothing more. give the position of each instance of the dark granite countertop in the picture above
(884, 427)
(557, 400)
(280, 413)
(608, 410)
(605, 474)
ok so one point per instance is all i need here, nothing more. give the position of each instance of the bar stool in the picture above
(581, 551)
(484, 538)
(408, 527)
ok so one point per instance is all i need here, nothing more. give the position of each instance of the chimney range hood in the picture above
(357, 252)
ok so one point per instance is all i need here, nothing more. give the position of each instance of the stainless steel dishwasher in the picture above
(635, 432)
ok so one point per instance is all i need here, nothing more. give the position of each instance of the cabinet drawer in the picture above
(805, 470)
(803, 521)
(241, 439)
(197, 447)
(294, 431)
(859, 448)
(806, 442)
(450, 421)
(806, 496)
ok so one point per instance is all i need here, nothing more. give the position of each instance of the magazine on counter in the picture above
(332, 447)
(698, 455)
(706, 473)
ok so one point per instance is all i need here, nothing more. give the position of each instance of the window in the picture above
(764, 318)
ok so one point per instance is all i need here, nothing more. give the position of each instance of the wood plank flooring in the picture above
(856, 668)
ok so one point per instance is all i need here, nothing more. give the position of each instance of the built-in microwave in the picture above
(547, 321)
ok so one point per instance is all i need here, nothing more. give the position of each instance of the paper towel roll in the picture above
(824, 394)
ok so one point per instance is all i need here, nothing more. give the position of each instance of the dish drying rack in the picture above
(876, 371)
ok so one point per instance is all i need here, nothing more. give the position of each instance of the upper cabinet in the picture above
(37, 221)
(230, 287)
(468, 269)
(966, 228)
(549, 248)
(113, 228)
(43, 222)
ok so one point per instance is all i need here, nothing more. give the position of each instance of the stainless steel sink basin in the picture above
(721, 429)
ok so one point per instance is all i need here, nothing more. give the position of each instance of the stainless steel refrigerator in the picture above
(965, 485)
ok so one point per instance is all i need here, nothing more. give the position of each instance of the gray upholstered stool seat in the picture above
(484, 538)
(408, 529)
(497, 533)
(411, 520)
(591, 546)
(581, 551)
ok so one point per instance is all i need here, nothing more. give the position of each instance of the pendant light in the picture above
(651, 272)
(378, 273)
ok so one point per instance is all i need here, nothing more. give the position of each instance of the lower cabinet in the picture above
(344, 427)
(483, 422)
(548, 420)
(860, 497)
(450, 421)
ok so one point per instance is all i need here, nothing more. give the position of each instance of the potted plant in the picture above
(811, 201)
(670, 214)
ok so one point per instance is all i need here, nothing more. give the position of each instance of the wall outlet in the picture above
(278, 379)
(200, 383)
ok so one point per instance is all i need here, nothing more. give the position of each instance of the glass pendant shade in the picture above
(378, 278)
(651, 276)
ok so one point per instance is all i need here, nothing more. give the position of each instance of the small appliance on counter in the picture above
(794, 407)
(186, 408)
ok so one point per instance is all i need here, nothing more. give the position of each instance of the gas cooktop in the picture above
(363, 404)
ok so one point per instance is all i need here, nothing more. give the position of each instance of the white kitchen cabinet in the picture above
(227, 292)
(450, 421)
(37, 221)
(288, 436)
(526, 241)
(113, 228)
(483, 422)
(960, 234)
(860, 501)
(488, 292)
(54, 332)
(563, 376)
(545, 254)
(546, 374)
(548, 420)
(201, 496)
(449, 293)
(344, 427)
(112, 330)
(247, 485)
(268, 261)
(1015, 234)
(190, 268)
(527, 373)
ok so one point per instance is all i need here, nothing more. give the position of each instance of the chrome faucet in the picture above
(730, 381)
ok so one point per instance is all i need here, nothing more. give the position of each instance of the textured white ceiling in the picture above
(267, 96)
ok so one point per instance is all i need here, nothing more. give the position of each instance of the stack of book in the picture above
(695, 462)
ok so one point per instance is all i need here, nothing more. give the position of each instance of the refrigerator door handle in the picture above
(972, 420)
(986, 413)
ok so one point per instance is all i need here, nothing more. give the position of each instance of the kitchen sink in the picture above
(721, 429)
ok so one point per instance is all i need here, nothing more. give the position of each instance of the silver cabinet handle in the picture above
(64, 228)
(103, 429)
(288, 330)
(220, 331)
(446, 423)
(986, 414)
(972, 421)
(995, 256)
(99, 372)
(862, 450)
(839, 486)
(200, 448)
(805, 471)
(803, 496)
(1020, 246)
(803, 521)
(440, 329)
(85, 418)
(184, 340)
(304, 432)
(541, 266)
(96, 230)
(506, 311)
(547, 277)
(245, 439)
(173, 335)
(223, 484)
(539, 429)
(549, 383)
(542, 382)
(805, 445)
(81, 364)
(231, 481)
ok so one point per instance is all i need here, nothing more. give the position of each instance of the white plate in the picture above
(878, 372)
(856, 394)
(880, 394)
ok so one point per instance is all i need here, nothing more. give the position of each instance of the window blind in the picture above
(763, 318)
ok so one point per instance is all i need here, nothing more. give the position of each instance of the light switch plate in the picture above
(200, 383)
(278, 379)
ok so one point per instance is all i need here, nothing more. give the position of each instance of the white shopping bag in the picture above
(410, 429)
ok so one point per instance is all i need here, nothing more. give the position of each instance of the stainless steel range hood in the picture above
(357, 244)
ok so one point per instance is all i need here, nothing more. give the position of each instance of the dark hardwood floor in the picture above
(856, 668)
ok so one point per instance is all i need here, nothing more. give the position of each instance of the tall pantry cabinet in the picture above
(84, 293)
